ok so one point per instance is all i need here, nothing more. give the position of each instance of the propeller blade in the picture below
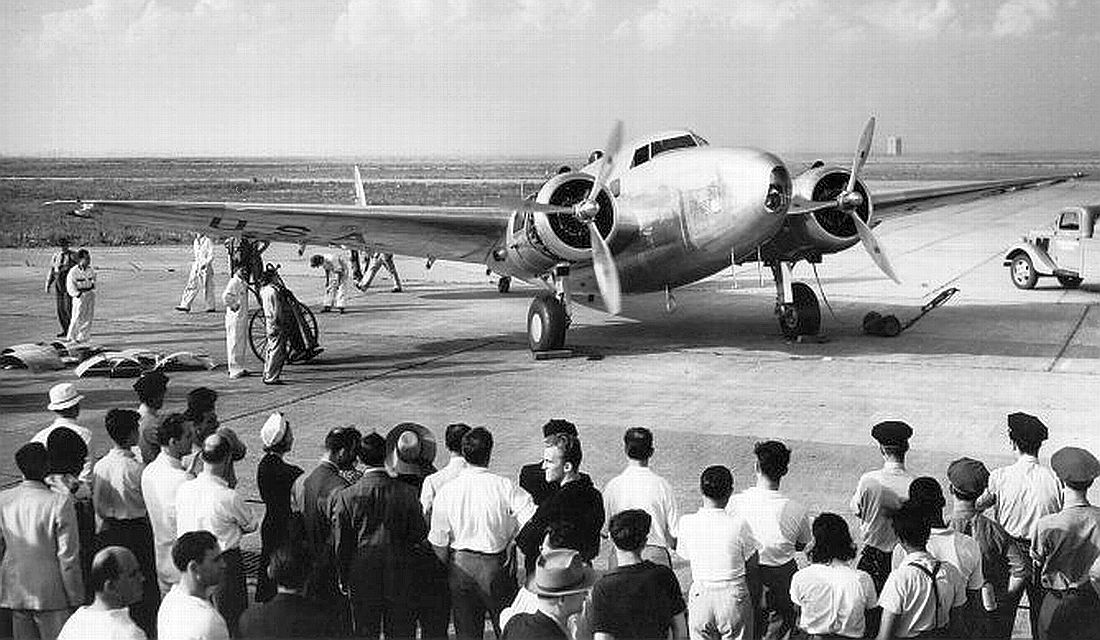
(874, 249)
(862, 151)
(607, 274)
(523, 204)
(607, 162)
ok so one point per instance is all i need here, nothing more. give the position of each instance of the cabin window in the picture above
(668, 144)
(641, 155)
(1069, 222)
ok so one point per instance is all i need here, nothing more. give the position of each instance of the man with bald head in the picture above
(116, 579)
(208, 503)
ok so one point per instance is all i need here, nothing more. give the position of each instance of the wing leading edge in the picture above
(465, 234)
(896, 204)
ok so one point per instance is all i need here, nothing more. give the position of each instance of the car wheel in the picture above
(1023, 272)
(1069, 282)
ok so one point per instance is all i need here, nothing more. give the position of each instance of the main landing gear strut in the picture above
(549, 314)
(796, 305)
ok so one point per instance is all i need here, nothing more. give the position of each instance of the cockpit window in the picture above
(668, 144)
(700, 140)
(641, 155)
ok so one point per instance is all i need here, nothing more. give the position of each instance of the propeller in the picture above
(850, 200)
(603, 263)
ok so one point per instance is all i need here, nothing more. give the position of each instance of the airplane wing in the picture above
(896, 204)
(451, 233)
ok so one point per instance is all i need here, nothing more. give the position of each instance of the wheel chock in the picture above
(552, 354)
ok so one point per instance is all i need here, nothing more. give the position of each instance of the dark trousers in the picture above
(480, 583)
(431, 596)
(1070, 615)
(379, 581)
(64, 307)
(775, 617)
(877, 563)
(137, 536)
(231, 596)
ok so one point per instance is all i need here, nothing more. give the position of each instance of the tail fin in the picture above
(360, 193)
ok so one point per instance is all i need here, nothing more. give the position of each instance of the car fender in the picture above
(1040, 260)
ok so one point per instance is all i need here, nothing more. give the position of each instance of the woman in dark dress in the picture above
(274, 477)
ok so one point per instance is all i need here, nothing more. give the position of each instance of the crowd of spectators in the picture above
(376, 541)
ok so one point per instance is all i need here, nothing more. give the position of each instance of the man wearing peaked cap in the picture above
(561, 581)
(1067, 546)
(1006, 569)
(1021, 493)
(878, 495)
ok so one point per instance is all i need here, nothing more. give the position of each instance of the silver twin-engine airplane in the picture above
(663, 211)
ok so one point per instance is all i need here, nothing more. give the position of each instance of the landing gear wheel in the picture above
(803, 316)
(546, 323)
(1023, 272)
(1069, 282)
(504, 284)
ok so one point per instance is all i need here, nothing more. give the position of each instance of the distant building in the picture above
(893, 146)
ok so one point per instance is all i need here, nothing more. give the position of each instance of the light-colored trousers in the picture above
(377, 261)
(336, 291)
(719, 610)
(276, 353)
(200, 277)
(80, 325)
(236, 339)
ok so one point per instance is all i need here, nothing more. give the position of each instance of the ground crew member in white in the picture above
(377, 261)
(235, 298)
(202, 274)
(271, 299)
(336, 280)
(80, 283)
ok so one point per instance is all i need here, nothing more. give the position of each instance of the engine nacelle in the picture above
(830, 230)
(537, 241)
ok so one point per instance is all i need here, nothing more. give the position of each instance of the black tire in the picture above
(891, 326)
(870, 321)
(546, 323)
(504, 285)
(257, 334)
(1022, 272)
(803, 316)
(1069, 282)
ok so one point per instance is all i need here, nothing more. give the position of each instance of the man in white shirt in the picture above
(918, 597)
(474, 518)
(202, 274)
(235, 298)
(160, 481)
(116, 580)
(1022, 493)
(782, 527)
(275, 321)
(723, 555)
(432, 483)
(878, 495)
(638, 487)
(336, 280)
(207, 503)
(120, 507)
(80, 283)
(185, 613)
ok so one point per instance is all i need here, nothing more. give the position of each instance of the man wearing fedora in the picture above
(65, 402)
(561, 582)
(410, 453)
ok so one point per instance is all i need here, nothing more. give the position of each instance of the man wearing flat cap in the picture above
(1067, 544)
(561, 582)
(1023, 492)
(879, 494)
(1006, 569)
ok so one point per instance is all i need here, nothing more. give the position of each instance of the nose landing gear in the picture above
(796, 305)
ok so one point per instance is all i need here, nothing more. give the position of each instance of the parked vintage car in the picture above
(1068, 251)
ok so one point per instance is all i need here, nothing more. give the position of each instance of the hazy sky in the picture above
(531, 77)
